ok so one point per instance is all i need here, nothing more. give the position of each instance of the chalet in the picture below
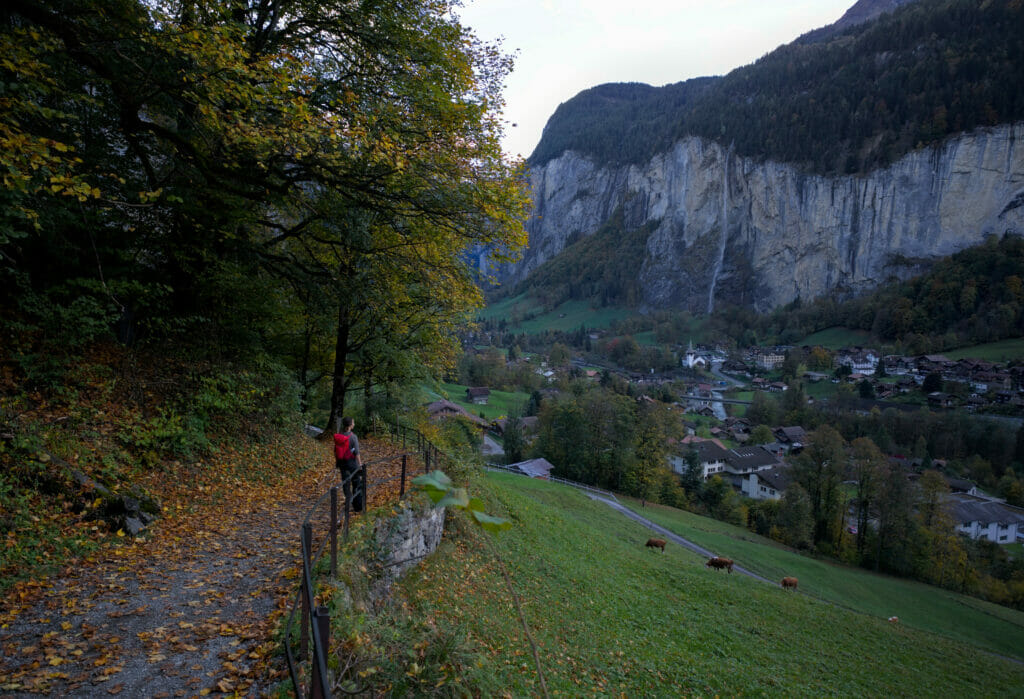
(938, 399)
(534, 468)
(982, 518)
(777, 387)
(790, 437)
(444, 408)
(441, 409)
(927, 363)
(769, 484)
(478, 395)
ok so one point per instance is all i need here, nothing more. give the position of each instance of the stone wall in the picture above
(403, 541)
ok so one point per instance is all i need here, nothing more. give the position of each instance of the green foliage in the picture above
(604, 266)
(441, 491)
(834, 101)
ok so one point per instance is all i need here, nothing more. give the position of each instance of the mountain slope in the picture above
(855, 97)
(830, 166)
(612, 617)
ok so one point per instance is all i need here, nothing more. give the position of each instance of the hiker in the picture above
(346, 453)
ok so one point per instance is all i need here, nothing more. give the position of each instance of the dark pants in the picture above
(352, 483)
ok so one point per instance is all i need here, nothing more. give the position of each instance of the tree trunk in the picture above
(339, 382)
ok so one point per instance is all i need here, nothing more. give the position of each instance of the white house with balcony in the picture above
(983, 518)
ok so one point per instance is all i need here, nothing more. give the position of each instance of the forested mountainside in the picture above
(845, 100)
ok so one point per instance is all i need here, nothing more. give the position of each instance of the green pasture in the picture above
(966, 619)
(567, 316)
(611, 617)
(646, 339)
(500, 403)
(837, 338)
(1002, 351)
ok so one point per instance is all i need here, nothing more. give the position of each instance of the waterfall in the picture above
(724, 238)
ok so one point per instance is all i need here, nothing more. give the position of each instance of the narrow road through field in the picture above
(673, 537)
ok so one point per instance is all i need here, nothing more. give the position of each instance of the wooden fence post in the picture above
(322, 619)
(334, 531)
(307, 540)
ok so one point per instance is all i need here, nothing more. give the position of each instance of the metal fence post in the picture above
(307, 548)
(366, 488)
(348, 511)
(322, 619)
(334, 531)
(401, 490)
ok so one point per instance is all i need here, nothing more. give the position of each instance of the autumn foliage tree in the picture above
(279, 178)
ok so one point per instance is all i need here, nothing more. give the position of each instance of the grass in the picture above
(613, 618)
(924, 607)
(837, 338)
(567, 316)
(1002, 351)
(500, 403)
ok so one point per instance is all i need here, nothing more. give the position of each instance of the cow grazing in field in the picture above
(656, 544)
(894, 620)
(789, 583)
(719, 562)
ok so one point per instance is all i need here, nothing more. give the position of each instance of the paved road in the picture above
(674, 537)
(717, 371)
(490, 447)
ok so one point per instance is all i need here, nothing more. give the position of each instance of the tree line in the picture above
(282, 185)
(834, 103)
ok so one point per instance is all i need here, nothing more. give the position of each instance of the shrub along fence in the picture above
(314, 629)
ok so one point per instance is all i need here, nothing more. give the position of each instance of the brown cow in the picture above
(720, 562)
(789, 583)
(656, 543)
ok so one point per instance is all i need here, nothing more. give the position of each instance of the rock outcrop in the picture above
(761, 234)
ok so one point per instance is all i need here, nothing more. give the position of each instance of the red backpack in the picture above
(342, 449)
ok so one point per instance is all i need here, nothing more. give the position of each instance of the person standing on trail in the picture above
(350, 464)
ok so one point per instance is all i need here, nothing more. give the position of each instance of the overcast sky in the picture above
(565, 46)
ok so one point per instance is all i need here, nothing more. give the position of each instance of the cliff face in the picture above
(762, 234)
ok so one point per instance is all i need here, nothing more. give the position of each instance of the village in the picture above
(711, 389)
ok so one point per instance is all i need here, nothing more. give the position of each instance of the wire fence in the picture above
(331, 517)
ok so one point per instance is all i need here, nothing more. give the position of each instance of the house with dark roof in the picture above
(982, 518)
(478, 395)
(534, 468)
(715, 459)
(769, 484)
(441, 409)
(791, 437)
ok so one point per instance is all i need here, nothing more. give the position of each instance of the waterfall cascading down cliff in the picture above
(762, 233)
(723, 238)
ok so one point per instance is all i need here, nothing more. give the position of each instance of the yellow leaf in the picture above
(56, 661)
(120, 532)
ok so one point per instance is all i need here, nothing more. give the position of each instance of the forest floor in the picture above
(189, 609)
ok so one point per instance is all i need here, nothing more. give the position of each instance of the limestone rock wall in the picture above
(764, 233)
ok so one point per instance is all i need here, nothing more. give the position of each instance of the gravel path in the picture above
(188, 611)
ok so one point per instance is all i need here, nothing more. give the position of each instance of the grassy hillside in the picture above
(837, 338)
(500, 403)
(1003, 351)
(612, 617)
(525, 314)
(967, 619)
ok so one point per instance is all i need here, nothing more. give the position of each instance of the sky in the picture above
(562, 47)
